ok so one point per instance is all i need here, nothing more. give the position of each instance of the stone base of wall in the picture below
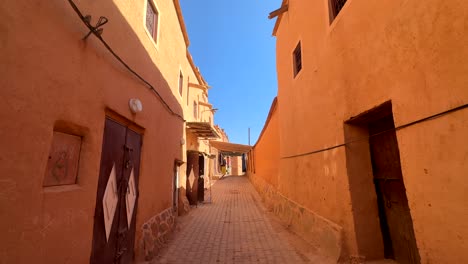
(315, 229)
(357, 260)
(155, 233)
(184, 205)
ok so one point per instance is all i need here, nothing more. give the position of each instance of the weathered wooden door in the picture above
(201, 178)
(117, 195)
(395, 217)
(192, 177)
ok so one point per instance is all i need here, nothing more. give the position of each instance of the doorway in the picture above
(175, 187)
(192, 177)
(201, 178)
(383, 223)
(394, 213)
(117, 195)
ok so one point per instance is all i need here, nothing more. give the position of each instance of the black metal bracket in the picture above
(97, 30)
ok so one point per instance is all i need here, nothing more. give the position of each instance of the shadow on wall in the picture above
(127, 45)
(60, 65)
(124, 41)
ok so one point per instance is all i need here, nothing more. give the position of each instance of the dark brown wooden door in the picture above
(192, 177)
(395, 217)
(117, 195)
(201, 178)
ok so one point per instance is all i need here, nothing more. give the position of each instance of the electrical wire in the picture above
(151, 87)
(385, 131)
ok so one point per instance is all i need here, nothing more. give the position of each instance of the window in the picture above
(181, 82)
(152, 16)
(195, 110)
(335, 8)
(297, 59)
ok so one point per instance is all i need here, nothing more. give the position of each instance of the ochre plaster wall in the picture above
(435, 165)
(410, 52)
(236, 165)
(267, 150)
(48, 73)
(264, 174)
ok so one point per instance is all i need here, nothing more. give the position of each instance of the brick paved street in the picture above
(234, 228)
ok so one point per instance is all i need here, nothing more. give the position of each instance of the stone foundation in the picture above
(155, 233)
(184, 205)
(320, 232)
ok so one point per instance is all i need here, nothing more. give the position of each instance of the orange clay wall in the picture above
(267, 150)
(410, 52)
(49, 74)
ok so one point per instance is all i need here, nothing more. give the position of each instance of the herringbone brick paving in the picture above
(234, 228)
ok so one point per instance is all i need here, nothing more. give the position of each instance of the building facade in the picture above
(96, 98)
(199, 131)
(370, 123)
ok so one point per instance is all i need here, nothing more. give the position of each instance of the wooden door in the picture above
(192, 177)
(117, 195)
(201, 178)
(395, 217)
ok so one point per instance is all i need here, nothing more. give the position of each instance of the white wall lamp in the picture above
(135, 105)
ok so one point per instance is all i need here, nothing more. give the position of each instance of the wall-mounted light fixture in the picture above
(135, 105)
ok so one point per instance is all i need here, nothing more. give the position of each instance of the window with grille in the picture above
(152, 15)
(335, 8)
(297, 59)
(181, 83)
(195, 110)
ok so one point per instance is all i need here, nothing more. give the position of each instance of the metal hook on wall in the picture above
(97, 28)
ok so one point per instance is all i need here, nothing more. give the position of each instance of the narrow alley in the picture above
(233, 228)
(284, 131)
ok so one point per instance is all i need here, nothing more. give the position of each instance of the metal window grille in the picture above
(336, 6)
(181, 83)
(195, 110)
(297, 59)
(151, 19)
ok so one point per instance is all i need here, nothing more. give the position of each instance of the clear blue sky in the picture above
(231, 43)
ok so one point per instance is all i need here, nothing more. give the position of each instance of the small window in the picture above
(152, 16)
(335, 8)
(181, 83)
(195, 110)
(62, 163)
(297, 59)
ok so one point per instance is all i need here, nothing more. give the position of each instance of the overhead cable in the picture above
(96, 31)
(393, 129)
